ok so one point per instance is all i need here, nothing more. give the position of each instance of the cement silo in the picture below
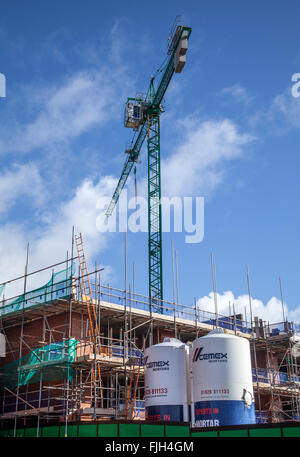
(166, 383)
(221, 381)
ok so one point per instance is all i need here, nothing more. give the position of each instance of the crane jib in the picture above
(142, 113)
(132, 158)
(159, 94)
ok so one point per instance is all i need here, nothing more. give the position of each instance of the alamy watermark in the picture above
(2, 85)
(183, 214)
(296, 86)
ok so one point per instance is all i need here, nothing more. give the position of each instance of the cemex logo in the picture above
(160, 364)
(209, 356)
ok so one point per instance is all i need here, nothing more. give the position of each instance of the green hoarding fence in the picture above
(129, 430)
(50, 432)
(233, 433)
(208, 434)
(152, 431)
(292, 432)
(71, 431)
(87, 430)
(30, 432)
(108, 430)
(178, 431)
(265, 432)
(147, 430)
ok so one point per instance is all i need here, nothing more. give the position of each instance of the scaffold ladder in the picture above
(87, 289)
(135, 388)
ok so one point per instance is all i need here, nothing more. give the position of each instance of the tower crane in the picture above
(142, 113)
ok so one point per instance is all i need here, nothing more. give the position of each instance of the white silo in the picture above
(221, 381)
(166, 384)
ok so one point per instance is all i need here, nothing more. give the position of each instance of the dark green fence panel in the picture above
(108, 430)
(51, 432)
(177, 431)
(6, 433)
(211, 434)
(233, 433)
(20, 432)
(130, 430)
(291, 431)
(87, 430)
(152, 431)
(31, 432)
(72, 431)
(265, 432)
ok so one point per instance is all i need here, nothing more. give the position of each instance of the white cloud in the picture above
(63, 113)
(12, 255)
(287, 108)
(282, 115)
(56, 115)
(43, 115)
(198, 164)
(81, 212)
(238, 93)
(21, 181)
(271, 311)
(49, 243)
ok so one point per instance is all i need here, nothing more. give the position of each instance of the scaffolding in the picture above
(278, 382)
(74, 349)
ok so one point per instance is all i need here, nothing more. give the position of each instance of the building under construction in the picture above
(72, 349)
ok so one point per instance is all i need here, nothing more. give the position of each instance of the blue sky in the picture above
(69, 67)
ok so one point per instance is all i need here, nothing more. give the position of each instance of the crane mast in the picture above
(143, 115)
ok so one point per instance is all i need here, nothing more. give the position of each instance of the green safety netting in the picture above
(2, 289)
(59, 286)
(49, 363)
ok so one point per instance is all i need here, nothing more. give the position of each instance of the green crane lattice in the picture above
(154, 207)
(150, 128)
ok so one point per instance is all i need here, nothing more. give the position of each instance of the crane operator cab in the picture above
(134, 112)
